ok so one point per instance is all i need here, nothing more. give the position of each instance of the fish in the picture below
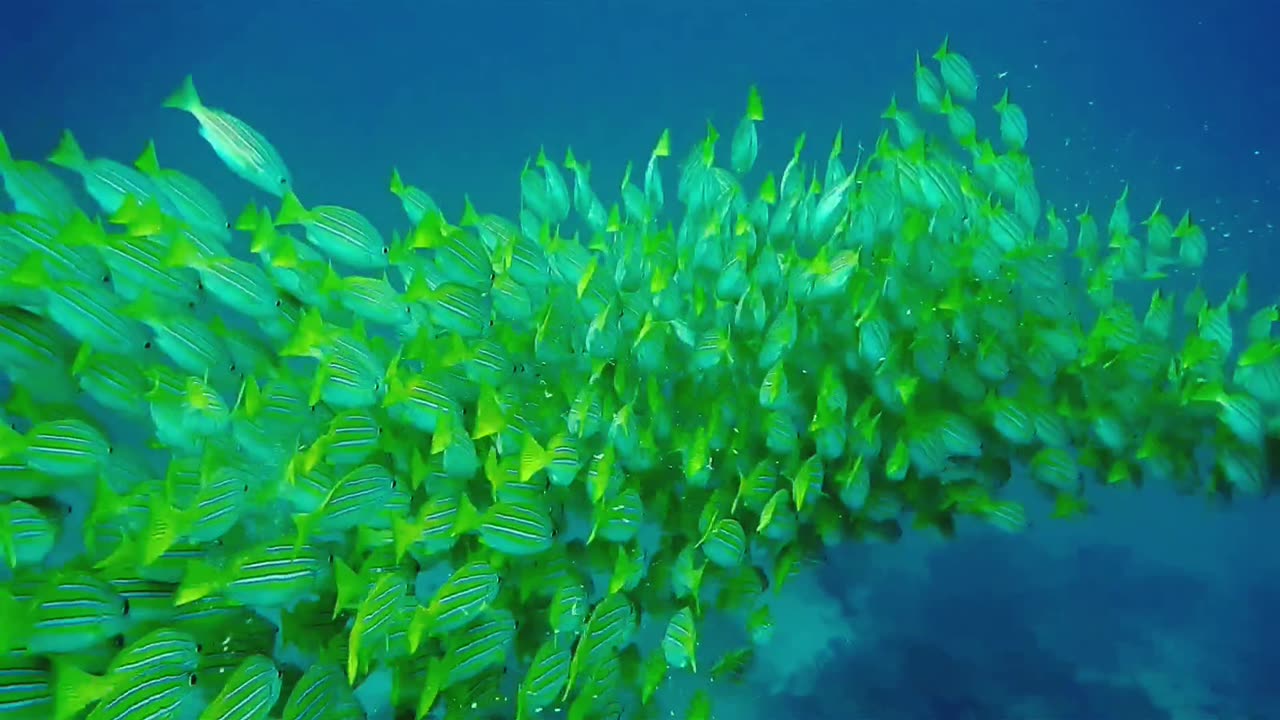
(475, 455)
(243, 149)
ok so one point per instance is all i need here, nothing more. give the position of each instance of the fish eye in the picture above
(199, 647)
(111, 450)
(385, 250)
(200, 285)
(246, 487)
(330, 558)
(284, 181)
(118, 641)
(279, 302)
(393, 484)
(146, 345)
(192, 680)
(279, 674)
(106, 278)
(124, 603)
(191, 304)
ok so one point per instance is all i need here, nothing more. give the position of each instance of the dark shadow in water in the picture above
(971, 646)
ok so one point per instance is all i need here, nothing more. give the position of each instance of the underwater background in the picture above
(1155, 607)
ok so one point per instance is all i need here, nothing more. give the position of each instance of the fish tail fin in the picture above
(183, 254)
(6, 157)
(165, 526)
(200, 580)
(332, 282)
(291, 210)
(147, 162)
(404, 534)
(15, 614)
(533, 458)
(12, 442)
(397, 184)
(68, 154)
(185, 97)
(470, 218)
(437, 672)
(74, 689)
(418, 626)
(350, 588)
(468, 519)
(306, 524)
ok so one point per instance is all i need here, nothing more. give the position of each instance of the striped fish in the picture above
(467, 592)
(679, 642)
(341, 233)
(93, 315)
(74, 612)
(415, 201)
(361, 494)
(138, 267)
(351, 437)
(617, 520)
(568, 608)
(30, 343)
(322, 694)
(33, 188)
(151, 697)
(725, 543)
(346, 381)
(114, 381)
(453, 306)
(66, 448)
(239, 284)
(460, 256)
(376, 617)
(564, 463)
(271, 575)
(250, 692)
(372, 299)
(480, 647)
(159, 652)
(149, 601)
(244, 150)
(108, 182)
(518, 528)
(26, 691)
(26, 535)
(420, 401)
(433, 530)
(193, 202)
(192, 344)
(546, 677)
(610, 626)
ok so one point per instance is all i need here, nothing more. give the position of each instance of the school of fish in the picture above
(474, 455)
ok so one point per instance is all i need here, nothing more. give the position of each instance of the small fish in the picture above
(244, 150)
(249, 694)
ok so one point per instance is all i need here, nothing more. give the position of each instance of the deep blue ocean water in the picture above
(1157, 607)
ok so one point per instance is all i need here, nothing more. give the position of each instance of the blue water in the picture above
(1157, 607)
